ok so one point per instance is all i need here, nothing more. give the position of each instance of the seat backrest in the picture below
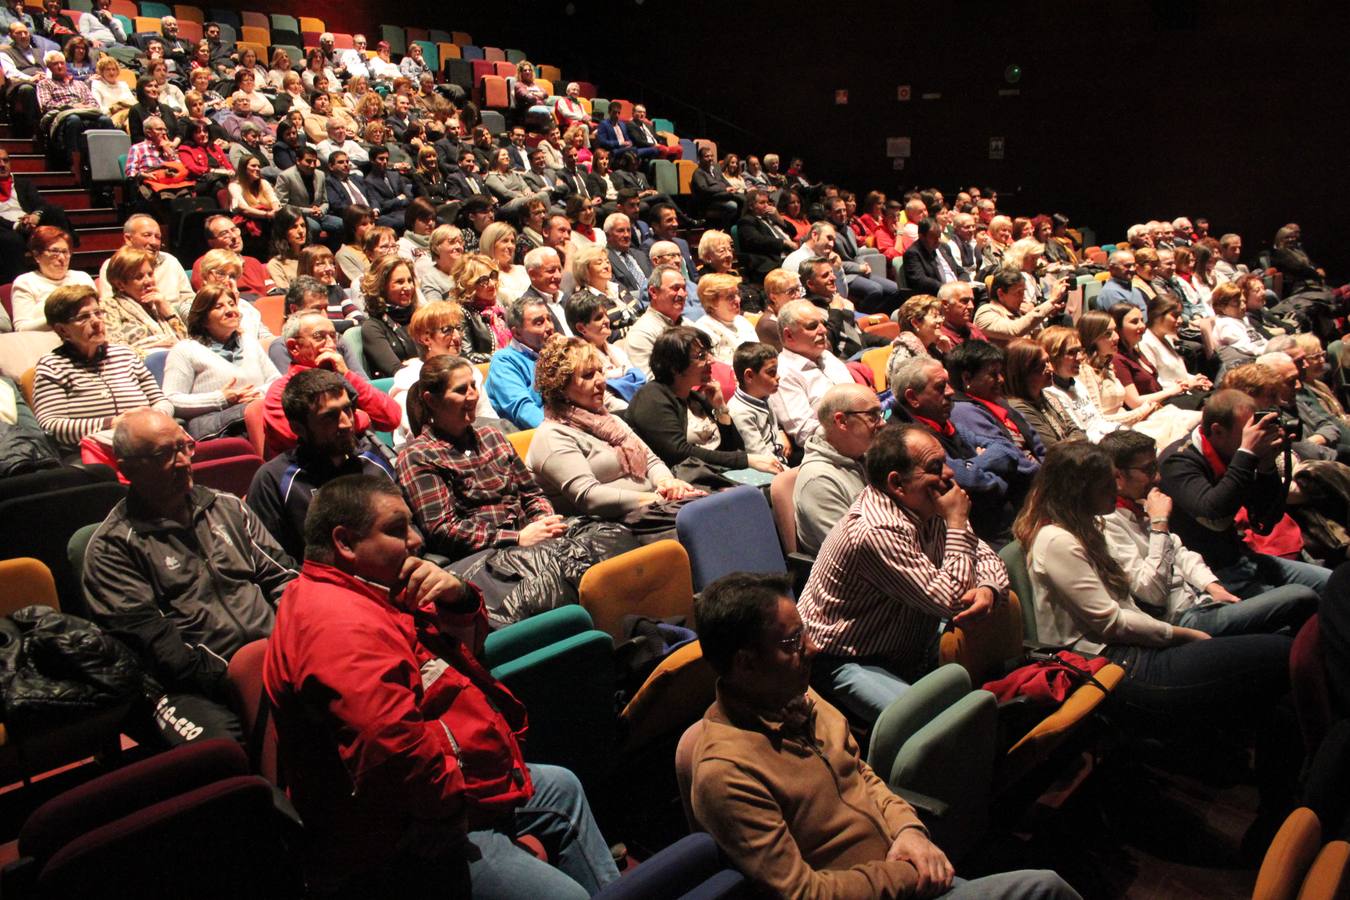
(309, 23)
(189, 31)
(459, 71)
(272, 308)
(283, 22)
(550, 73)
(24, 582)
(1019, 579)
(397, 38)
(684, 174)
(252, 34)
(653, 581)
(223, 16)
(446, 50)
(481, 69)
(260, 732)
(189, 14)
(494, 120)
(233, 474)
(496, 54)
(414, 33)
(255, 426)
(678, 692)
(1308, 678)
(255, 20)
(154, 361)
(351, 339)
(515, 56)
(587, 90)
(470, 51)
(520, 440)
(504, 69)
(659, 125)
(1289, 857)
(463, 38)
(684, 770)
(438, 36)
(666, 179)
(703, 525)
(986, 646)
(784, 511)
(1329, 875)
(494, 92)
(105, 146)
(688, 150)
(61, 512)
(431, 55)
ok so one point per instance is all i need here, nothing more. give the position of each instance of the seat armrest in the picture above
(927, 807)
(535, 633)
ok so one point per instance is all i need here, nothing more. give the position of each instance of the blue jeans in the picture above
(1280, 608)
(1023, 884)
(559, 816)
(861, 689)
(1256, 573)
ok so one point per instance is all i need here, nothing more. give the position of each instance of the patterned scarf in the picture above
(629, 447)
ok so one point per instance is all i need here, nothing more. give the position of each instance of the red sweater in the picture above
(386, 717)
(373, 407)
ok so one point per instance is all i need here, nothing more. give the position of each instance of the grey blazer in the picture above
(292, 191)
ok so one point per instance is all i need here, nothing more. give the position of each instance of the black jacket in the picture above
(921, 269)
(662, 420)
(1203, 505)
(387, 346)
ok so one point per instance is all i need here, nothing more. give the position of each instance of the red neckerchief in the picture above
(947, 429)
(586, 231)
(1004, 418)
(1219, 466)
(6, 188)
(1132, 505)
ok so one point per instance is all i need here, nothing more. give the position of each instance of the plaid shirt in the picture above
(145, 157)
(471, 495)
(68, 94)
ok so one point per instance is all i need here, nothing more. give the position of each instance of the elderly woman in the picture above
(485, 328)
(467, 487)
(437, 328)
(289, 236)
(570, 110)
(223, 268)
(588, 318)
(1231, 328)
(1158, 347)
(1027, 372)
(382, 68)
(50, 248)
(137, 314)
(1314, 396)
(1025, 256)
(681, 414)
(726, 328)
(588, 461)
(436, 270)
(83, 387)
(593, 274)
(113, 95)
(211, 378)
(390, 290)
(920, 319)
(1000, 239)
(498, 243)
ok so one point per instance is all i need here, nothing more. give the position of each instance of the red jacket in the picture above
(385, 717)
(373, 407)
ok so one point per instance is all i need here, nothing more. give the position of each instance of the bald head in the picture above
(850, 415)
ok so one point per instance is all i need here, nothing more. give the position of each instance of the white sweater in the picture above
(195, 376)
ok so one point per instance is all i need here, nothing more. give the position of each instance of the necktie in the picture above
(775, 230)
(620, 135)
(632, 268)
(354, 193)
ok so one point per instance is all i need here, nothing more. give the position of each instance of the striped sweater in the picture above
(74, 397)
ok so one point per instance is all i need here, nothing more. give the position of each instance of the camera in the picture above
(1289, 425)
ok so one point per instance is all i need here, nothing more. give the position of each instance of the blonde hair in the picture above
(442, 234)
(497, 231)
(559, 360)
(716, 283)
(1017, 253)
(217, 260)
(581, 263)
(107, 62)
(431, 317)
(471, 268)
(710, 237)
(126, 263)
(915, 308)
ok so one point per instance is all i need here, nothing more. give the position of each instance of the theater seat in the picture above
(260, 729)
(936, 746)
(1329, 876)
(678, 692)
(1289, 857)
(520, 441)
(1019, 579)
(704, 525)
(653, 581)
(781, 491)
(1308, 680)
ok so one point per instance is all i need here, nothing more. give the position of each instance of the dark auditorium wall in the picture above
(1235, 110)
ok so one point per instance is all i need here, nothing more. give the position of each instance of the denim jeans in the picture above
(559, 816)
(1275, 610)
(1256, 573)
(1023, 884)
(862, 689)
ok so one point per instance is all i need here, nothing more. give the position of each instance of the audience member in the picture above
(511, 381)
(588, 318)
(390, 292)
(49, 247)
(756, 366)
(723, 323)
(666, 294)
(806, 369)
(831, 475)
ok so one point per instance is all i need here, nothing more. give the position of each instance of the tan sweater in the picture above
(802, 820)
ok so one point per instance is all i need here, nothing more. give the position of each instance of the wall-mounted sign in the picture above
(903, 93)
(897, 147)
(996, 148)
(841, 97)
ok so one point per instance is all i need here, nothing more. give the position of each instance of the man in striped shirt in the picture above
(901, 561)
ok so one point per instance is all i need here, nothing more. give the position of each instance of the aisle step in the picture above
(27, 162)
(104, 237)
(91, 217)
(66, 198)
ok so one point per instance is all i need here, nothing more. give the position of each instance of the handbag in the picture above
(1048, 681)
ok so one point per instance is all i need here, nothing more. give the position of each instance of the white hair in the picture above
(535, 259)
(52, 56)
(661, 247)
(614, 220)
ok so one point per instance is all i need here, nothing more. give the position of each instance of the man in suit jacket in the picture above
(927, 265)
(614, 136)
(643, 133)
(342, 188)
(387, 191)
(463, 181)
(763, 241)
(516, 149)
(665, 227)
(302, 188)
(545, 269)
(629, 204)
(629, 267)
(448, 150)
(872, 291)
(965, 253)
(573, 178)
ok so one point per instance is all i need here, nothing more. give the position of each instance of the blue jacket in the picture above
(1114, 292)
(510, 385)
(979, 427)
(606, 135)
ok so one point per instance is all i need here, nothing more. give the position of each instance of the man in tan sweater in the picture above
(779, 781)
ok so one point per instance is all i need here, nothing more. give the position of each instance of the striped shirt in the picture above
(883, 581)
(74, 398)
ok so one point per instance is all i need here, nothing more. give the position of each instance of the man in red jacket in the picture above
(312, 341)
(401, 751)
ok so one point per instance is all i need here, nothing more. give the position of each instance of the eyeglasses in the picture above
(55, 251)
(794, 643)
(88, 316)
(1150, 469)
(873, 416)
(484, 281)
(172, 451)
(447, 330)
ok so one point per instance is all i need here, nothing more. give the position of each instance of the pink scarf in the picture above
(632, 452)
(496, 320)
